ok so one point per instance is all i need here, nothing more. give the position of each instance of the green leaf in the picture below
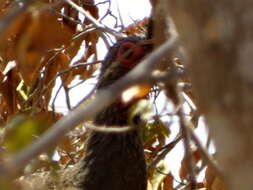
(155, 130)
(21, 131)
(159, 175)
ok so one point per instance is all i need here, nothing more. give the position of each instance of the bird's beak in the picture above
(135, 92)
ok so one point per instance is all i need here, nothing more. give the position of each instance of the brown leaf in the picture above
(64, 159)
(91, 8)
(59, 63)
(49, 116)
(66, 144)
(4, 5)
(34, 42)
(70, 12)
(137, 27)
(10, 99)
(168, 182)
(9, 39)
(200, 185)
(74, 46)
(91, 40)
(183, 170)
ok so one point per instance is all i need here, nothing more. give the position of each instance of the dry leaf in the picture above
(168, 182)
(183, 170)
(33, 43)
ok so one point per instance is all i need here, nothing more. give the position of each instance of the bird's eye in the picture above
(129, 54)
(127, 51)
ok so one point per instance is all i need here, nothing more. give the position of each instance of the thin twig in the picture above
(188, 154)
(106, 42)
(167, 75)
(87, 96)
(67, 17)
(81, 82)
(205, 155)
(120, 16)
(162, 155)
(66, 90)
(51, 82)
(103, 2)
(93, 20)
(56, 94)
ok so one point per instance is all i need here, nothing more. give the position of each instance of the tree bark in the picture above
(218, 39)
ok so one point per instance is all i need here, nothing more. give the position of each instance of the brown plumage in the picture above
(113, 161)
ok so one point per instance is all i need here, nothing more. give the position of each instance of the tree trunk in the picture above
(218, 39)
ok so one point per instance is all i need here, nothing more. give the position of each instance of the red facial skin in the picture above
(129, 54)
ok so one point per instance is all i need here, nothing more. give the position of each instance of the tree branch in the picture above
(188, 154)
(205, 155)
(92, 19)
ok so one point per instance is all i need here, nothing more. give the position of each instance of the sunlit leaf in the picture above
(159, 175)
(22, 130)
(155, 130)
(140, 110)
(20, 133)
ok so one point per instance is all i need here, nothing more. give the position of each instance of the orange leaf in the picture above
(91, 8)
(168, 182)
(137, 28)
(34, 43)
(66, 144)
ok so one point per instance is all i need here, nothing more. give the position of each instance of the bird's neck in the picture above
(114, 115)
(114, 161)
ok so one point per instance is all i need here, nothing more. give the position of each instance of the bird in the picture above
(112, 161)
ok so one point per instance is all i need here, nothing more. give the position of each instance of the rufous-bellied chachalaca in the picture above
(113, 161)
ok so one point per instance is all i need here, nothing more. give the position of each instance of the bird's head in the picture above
(122, 57)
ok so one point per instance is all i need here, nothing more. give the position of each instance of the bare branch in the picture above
(206, 156)
(166, 150)
(92, 19)
(109, 129)
(188, 154)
